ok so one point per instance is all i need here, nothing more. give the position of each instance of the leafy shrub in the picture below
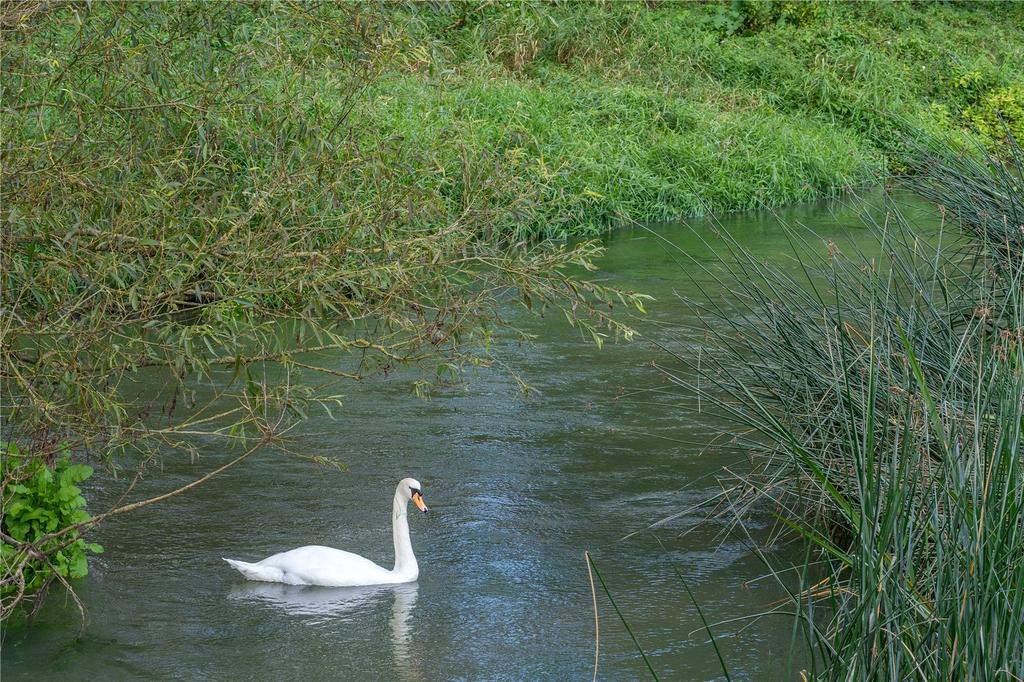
(754, 16)
(38, 500)
(999, 111)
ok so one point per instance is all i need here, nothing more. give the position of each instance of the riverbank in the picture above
(654, 111)
(561, 119)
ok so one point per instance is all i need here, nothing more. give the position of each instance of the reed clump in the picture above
(883, 390)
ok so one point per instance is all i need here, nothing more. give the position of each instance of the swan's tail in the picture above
(267, 574)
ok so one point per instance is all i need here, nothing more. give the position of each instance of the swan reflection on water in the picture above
(327, 603)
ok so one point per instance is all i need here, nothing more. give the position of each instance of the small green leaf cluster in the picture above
(1000, 112)
(39, 500)
(753, 16)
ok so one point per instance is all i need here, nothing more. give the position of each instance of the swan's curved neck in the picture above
(405, 560)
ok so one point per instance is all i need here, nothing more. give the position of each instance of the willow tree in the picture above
(190, 193)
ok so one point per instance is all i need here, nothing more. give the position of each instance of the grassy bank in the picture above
(884, 395)
(650, 111)
(595, 113)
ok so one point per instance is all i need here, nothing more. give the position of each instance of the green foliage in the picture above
(203, 194)
(753, 16)
(39, 500)
(196, 194)
(596, 155)
(616, 112)
(999, 112)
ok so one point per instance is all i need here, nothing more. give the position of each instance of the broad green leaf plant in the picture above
(45, 499)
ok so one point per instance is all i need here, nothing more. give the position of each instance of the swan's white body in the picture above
(317, 565)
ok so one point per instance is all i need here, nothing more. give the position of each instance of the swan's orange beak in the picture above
(417, 499)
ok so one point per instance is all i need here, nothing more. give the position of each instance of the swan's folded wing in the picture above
(317, 565)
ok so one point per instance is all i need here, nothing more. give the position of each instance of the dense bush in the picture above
(1000, 112)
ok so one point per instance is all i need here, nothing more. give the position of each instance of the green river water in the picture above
(519, 487)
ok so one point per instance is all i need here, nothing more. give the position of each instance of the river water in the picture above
(519, 487)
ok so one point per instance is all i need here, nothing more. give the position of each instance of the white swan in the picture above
(316, 565)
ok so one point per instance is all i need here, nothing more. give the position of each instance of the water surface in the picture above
(519, 487)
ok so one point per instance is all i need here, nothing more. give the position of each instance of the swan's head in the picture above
(410, 489)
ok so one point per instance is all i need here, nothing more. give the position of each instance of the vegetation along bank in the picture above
(611, 112)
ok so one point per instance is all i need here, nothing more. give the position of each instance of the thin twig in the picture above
(597, 620)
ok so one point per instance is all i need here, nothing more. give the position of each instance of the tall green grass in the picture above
(883, 391)
(605, 113)
(595, 154)
(622, 111)
(985, 195)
